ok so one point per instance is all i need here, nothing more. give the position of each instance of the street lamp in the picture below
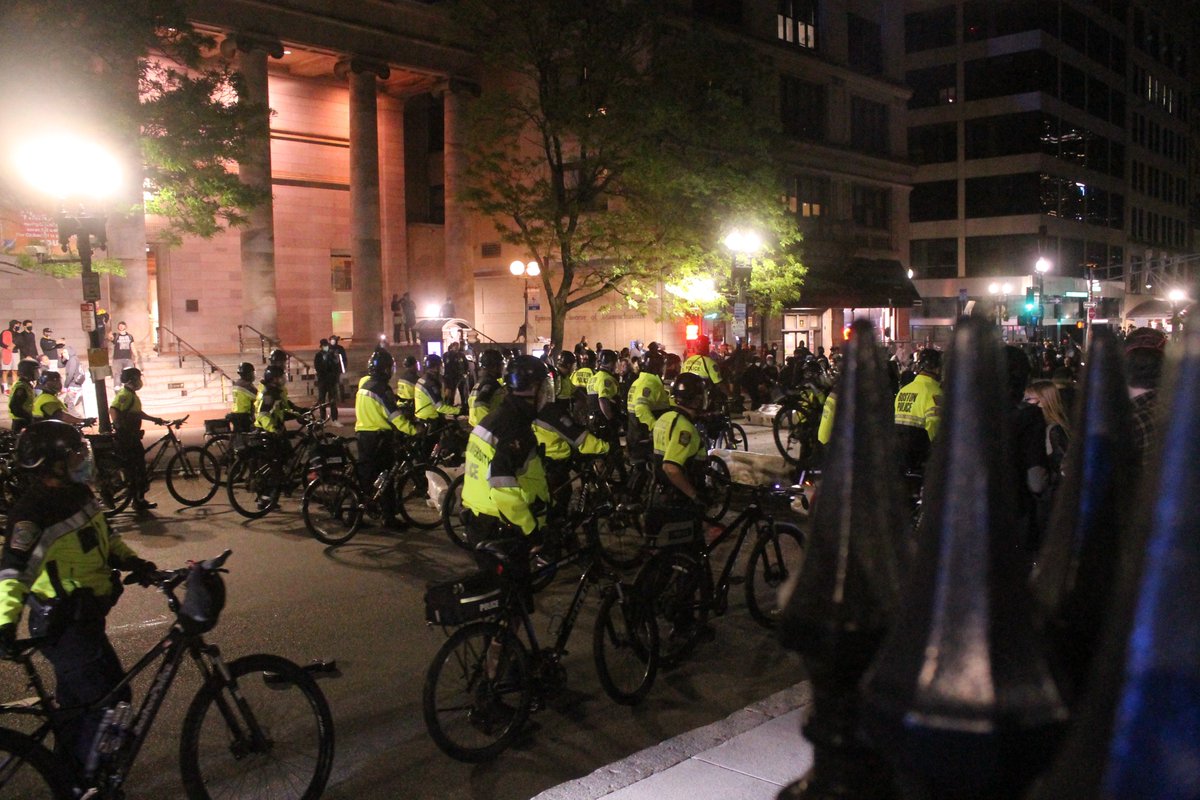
(1176, 297)
(74, 170)
(526, 269)
(999, 293)
(747, 243)
(1042, 266)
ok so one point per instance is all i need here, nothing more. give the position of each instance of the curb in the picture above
(667, 754)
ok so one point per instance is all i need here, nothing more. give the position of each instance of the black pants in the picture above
(327, 392)
(85, 669)
(133, 457)
(374, 456)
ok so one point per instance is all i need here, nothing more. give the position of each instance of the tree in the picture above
(618, 149)
(120, 69)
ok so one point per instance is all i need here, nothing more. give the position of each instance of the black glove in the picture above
(159, 421)
(89, 422)
(141, 572)
(8, 640)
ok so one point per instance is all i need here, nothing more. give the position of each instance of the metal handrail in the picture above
(263, 341)
(213, 366)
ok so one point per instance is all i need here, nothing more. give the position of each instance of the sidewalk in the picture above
(750, 755)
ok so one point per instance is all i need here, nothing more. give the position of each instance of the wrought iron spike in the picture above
(960, 697)
(847, 591)
(1074, 575)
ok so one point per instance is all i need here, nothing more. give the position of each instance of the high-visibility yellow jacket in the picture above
(20, 401)
(703, 366)
(918, 405)
(129, 417)
(648, 397)
(272, 409)
(825, 430)
(560, 435)
(376, 409)
(582, 377)
(244, 395)
(504, 475)
(46, 405)
(486, 397)
(427, 400)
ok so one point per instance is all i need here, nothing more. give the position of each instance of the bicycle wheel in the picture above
(737, 437)
(113, 486)
(777, 555)
(267, 733)
(625, 648)
(29, 770)
(189, 474)
(621, 534)
(717, 490)
(222, 455)
(452, 514)
(332, 508)
(787, 427)
(414, 491)
(253, 486)
(477, 692)
(677, 586)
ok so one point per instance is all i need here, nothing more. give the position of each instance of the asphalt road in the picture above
(361, 604)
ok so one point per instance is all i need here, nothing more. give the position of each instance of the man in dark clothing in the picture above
(335, 347)
(1027, 443)
(329, 371)
(1144, 352)
(454, 369)
(47, 344)
(397, 318)
(25, 342)
(409, 310)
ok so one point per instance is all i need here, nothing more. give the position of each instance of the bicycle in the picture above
(720, 432)
(485, 680)
(261, 473)
(677, 580)
(258, 722)
(188, 470)
(796, 423)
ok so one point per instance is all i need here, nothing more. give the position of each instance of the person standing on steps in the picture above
(409, 310)
(328, 367)
(124, 352)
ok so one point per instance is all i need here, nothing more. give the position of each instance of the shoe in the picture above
(144, 505)
(394, 524)
(334, 423)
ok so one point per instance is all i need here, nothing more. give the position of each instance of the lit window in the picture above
(797, 22)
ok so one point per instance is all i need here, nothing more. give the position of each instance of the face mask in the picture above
(325, 348)
(84, 471)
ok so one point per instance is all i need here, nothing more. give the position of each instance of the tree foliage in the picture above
(137, 74)
(619, 149)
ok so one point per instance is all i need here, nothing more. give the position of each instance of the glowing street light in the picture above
(527, 270)
(75, 171)
(747, 243)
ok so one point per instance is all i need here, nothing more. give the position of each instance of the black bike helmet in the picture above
(278, 356)
(380, 364)
(50, 376)
(492, 361)
(565, 360)
(433, 361)
(272, 375)
(654, 363)
(130, 374)
(246, 371)
(607, 360)
(929, 359)
(690, 390)
(27, 370)
(587, 359)
(46, 443)
(410, 362)
(525, 373)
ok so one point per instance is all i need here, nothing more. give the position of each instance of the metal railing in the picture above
(265, 343)
(181, 345)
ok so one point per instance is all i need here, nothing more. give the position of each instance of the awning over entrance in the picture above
(856, 283)
(1155, 308)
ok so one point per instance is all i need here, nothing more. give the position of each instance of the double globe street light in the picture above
(527, 270)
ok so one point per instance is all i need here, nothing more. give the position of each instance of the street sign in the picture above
(91, 287)
(738, 329)
(87, 317)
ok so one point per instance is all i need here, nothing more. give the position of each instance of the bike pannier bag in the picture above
(463, 600)
(672, 524)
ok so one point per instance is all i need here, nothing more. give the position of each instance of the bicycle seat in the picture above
(505, 551)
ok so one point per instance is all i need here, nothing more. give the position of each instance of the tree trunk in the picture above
(558, 320)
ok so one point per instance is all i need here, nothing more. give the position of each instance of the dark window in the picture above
(1073, 89)
(1117, 56)
(865, 45)
(925, 30)
(985, 19)
(490, 250)
(437, 205)
(437, 126)
(1098, 98)
(726, 11)
(1074, 28)
(1011, 134)
(933, 144)
(931, 201)
(1001, 255)
(1071, 258)
(1116, 108)
(869, 206)
(797, 22)
(868, 125)
(934, 258)
(1116, 160)
(1016, 73)
(1004, 195)
(802, 108)
(1116, 211)
(933, 86)
(1098, 48)
(341, 273)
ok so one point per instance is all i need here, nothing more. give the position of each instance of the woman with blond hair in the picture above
(1049, 399)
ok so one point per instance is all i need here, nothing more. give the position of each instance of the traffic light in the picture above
(1029, 301)
(692, 332)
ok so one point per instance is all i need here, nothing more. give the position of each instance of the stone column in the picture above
(129, 296)
(365, 242)
(460, 268)
(259, 306)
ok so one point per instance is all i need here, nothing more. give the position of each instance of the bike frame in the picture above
(751, 514)
(160, 447)
(168, 654)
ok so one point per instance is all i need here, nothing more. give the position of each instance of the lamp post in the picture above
(999, 293)
(1042, 266)
(746, 243)
(1176, 297)
(76, 171)
(527, 270)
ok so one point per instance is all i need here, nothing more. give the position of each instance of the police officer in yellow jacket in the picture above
(603, 394)
(47, 405)
(127, 416)
(701, 363)
(648, 399)
(919, 412)
(406, 392)
(377, 419)
(582, 376)
(560, 436)
(679, 452)
(564, 368)
(241, 412)
(504, 488)
(428, 401)
(21, 396)
(488, 393)
(59, 558)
